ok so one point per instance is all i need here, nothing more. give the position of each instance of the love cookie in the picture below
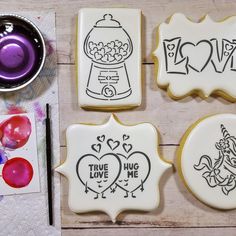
(193, 59)
(113, 167)
(207, 160)
(109, 58)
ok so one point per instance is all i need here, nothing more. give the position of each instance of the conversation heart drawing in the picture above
(110, 168)
(192, 59)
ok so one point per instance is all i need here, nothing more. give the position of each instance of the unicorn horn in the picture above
(225, 132)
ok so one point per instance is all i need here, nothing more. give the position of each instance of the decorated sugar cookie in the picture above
(113, 167)
(208, 160)
(197, 57)
(109, 58)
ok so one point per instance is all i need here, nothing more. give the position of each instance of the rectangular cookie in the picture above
(109, 58)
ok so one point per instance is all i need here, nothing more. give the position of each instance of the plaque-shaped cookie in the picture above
(197, 58)
(113, 167)
(109, 58)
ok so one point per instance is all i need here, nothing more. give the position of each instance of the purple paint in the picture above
(22, 52)
(40, 114)
(17, 57)
(3, 157)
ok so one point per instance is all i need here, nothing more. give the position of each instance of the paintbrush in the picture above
(49, 163)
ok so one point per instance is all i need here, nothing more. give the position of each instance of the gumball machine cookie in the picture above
(108, 45)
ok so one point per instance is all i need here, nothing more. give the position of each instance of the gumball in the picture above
(3, 157)
(17, 172)
(15, 131)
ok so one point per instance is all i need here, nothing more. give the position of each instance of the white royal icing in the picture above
(197, 57)
(109, 57)
(112, 167)
(208, 161)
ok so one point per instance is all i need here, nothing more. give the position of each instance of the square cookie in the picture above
(109, 58)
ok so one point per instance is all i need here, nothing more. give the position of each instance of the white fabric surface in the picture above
(27, 214)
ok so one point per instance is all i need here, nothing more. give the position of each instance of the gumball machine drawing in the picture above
(108, 45)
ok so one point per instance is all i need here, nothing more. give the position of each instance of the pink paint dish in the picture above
(22, 52)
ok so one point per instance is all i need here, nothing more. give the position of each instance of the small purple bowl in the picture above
(22, 52)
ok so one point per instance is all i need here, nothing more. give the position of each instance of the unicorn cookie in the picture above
(207, 160)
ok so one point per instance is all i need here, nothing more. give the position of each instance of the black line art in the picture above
(102, 181)
(183, 56)
(125, 137)
(128, 181)
(119, 169)
(101, 138)
(113, 144)
(220, 172)
(173, 64)
(108, 77)
(127, 147)
(96, 147)
(222, 57)
(201, 62)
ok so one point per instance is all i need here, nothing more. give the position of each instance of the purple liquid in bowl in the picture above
(21, 51)
(17, 57)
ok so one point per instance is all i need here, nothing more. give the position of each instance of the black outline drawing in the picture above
(96, 147)
(220, 56)
(183, 60)
(127, 147)
(103, 62)
(173, 49)
(125, 137)
(195, 45)
(99, 159)
(114, 144)
(101, 138)
(126, 180)
(221, 171)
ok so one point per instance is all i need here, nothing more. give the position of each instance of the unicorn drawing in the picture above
(221, 171)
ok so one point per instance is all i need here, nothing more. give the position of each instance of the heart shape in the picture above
(123, 52)
(118, 57)
(135, 170)
(110, 58)
(125, 46)
(113, 144)
(170, 46)
(94, 50)
(98, 174)
(97, 56)
(92, 45)
(112, 52)
(100, 45)
(107, 49)
(118, 43)
(228, 47)
(105, 58)
(108, 91)
(96, 147)
(125, 137)
(111, 44)
(101, 51)
(127, 147)
(198, 54)
(101, 138)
